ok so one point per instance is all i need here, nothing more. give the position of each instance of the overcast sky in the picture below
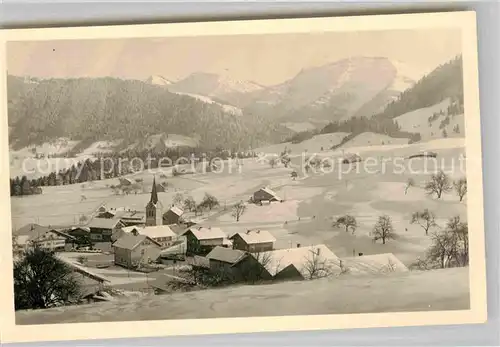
(266, 59)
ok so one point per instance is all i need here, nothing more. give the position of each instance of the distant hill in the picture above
(358, 86)
(432, 108)
(108, 109)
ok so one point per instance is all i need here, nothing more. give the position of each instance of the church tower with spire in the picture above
(154, 210)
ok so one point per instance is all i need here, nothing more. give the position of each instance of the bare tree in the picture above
(440, 183)
(209, 201)
(347, 221)
(317, 266)
(409, 183)
(178, 199)
(450, 247)
(383, 229)
(425, 219)
(460, 187)
(238, 210)
(273, 162)
(189, 203)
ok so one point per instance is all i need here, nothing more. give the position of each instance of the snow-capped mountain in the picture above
(353, 86)
(218, 87)
(356, 86)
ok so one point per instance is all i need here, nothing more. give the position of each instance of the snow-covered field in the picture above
(373, 188)
(395, 292)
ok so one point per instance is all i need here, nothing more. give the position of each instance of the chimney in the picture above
(318, 251)
(298, 245)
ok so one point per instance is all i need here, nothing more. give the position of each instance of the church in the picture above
(154, 210)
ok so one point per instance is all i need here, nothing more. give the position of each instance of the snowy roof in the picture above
(373, 264)
(157, 231)
(255, 236)
(203, 233)
(300, 257)
(131, 228)
(270, 192)
(130, 241)
(226, 255)
(84, 271)
(176, 210)
(30, 229)
(103, 223)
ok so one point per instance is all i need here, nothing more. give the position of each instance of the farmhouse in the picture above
(129, 218)
(253, 241)
(101, 229)
(160, 233)
(265, 194)
(299, 263)
(201, 240)
(172, 216)
(132, 250)
(50, 240)
(237, 265)
(34, 234)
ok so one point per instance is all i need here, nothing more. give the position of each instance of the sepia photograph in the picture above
(267, 168)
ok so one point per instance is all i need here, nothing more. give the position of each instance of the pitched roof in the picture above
(203, 233)
(103, 223)
(300, 257)
(255, 236)
(373, 264)
(131, 228)
(157, 231)
(130, 241)
(270, 192)
(154, 193)
(30, 229)
(176, 210)
(227, 255)
(83, 270)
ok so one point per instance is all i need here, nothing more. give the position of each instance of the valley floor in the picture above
(396, 292)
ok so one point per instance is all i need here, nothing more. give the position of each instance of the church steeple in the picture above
(154, 212)
(154, 193)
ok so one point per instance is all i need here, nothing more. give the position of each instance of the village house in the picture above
(101, 229)
(201, 240)
(38, 235)
(162, 234)
(132, 250)
(237, 265)
(300, 263)
(265, 195)
(172, 216)
(50, 240)
(253, 241)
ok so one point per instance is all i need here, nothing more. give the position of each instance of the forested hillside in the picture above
(92, 109)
